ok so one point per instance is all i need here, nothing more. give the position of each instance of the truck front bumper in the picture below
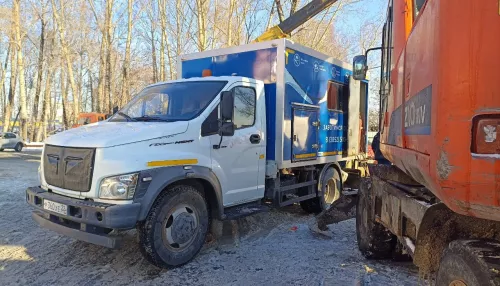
(85, 220)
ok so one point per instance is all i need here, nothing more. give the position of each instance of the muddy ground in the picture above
(275, 248)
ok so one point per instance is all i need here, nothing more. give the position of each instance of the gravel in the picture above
(275, 248)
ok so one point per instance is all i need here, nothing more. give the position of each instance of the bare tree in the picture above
(77, 58)
(42, 130)
(3, 71)
(164, 43)
(232, 4)
(67, 57)
(201, 15)
(13, 79)
(152, 20)
(34, 117)
(63, 85)
(279, 9)
(20, 70)
(108, 27)
(125, 93)
(293, 6)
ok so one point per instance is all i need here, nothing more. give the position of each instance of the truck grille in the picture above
(68, 168)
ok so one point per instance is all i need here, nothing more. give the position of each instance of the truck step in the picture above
(241, 211)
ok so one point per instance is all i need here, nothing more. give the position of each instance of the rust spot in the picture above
(443, 166)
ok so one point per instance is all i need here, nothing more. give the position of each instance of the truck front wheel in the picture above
(470, 263)
(374, 240)
(175, 229)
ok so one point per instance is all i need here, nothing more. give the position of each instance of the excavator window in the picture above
(385, 72)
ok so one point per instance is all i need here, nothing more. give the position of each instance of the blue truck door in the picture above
(305, 125)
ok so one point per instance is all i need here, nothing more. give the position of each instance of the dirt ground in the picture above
(275, 248)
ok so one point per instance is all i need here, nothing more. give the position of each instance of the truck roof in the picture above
(210, 78)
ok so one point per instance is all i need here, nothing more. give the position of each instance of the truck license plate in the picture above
(55, 207)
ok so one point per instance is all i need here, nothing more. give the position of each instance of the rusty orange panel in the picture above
(451, 60)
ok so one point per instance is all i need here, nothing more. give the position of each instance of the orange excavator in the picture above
(435, 192)
(90, 117)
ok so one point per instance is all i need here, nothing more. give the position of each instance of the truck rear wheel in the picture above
(470, 263)
(175, 229)
(374, 240)
(330, 187)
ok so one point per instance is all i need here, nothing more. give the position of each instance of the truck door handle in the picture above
(255, 138)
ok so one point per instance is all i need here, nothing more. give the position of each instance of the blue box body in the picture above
(296, 79)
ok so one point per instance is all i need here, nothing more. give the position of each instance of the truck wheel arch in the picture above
(197, 176)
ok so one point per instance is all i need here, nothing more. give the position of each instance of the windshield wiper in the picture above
(151, 118)
(126, 116)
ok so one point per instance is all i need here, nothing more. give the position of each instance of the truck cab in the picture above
(109, 175)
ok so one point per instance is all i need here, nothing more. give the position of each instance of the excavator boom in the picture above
(283, 29)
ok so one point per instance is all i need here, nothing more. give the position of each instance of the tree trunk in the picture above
(39, 78)
(293, 6)
(100, 83)
(279, 8)
(163, 34)
(67, 58)
(109, 30)
(12, 85)
(179, 27)
(270, 16)
(124, 95)
(2, 81)
(42, 129)
(64, 95)
(20, 71)
(111, 86)
(92, 93)
(53, 109)
(229, 32)
(153, 53)
(201, 17)
(215, 21)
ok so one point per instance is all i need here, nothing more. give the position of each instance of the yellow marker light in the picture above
(172, 163)
(262, 156)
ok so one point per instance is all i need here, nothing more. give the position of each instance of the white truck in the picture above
(270, 124)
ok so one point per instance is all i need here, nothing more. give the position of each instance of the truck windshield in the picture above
(177, 101)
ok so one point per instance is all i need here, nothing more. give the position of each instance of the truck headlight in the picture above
(119, 187)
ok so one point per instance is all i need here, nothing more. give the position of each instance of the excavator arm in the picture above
(283, 29)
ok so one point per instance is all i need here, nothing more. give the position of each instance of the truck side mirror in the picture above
(115, 109)
(227, 106)
(226, 127)
(359, 67)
